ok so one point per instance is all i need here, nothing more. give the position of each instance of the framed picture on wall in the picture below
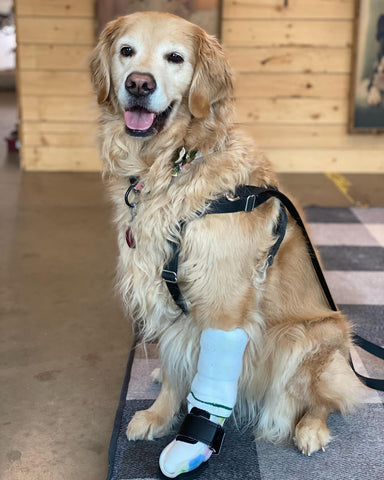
(367, 92)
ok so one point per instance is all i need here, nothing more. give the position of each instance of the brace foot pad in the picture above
(187, 452)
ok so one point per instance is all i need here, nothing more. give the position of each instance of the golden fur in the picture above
(295, 369)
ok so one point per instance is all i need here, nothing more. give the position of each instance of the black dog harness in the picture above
(196, 425)
(245, 199)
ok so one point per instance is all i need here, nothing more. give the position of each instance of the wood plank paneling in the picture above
(291, 111)
(296, 9)
(290, 59)
(56, 134)
(66, 84)
(251, 33)
(327, 160)
(58, 109)
(61, 159)
(292, 85)
(53, 57)
(309, 136)
(55, 30)
(66, 8)
(292, 70)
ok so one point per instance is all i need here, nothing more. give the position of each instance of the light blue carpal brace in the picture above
(213, 389)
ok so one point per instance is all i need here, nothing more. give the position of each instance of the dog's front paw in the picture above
(146, 424)
(311, 435)
(374, 97)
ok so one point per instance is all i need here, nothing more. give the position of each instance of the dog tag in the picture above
(130, 239)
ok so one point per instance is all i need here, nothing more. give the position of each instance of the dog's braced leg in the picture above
(210, 401)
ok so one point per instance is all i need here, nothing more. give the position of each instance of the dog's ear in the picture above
(99, 61)
(212, 79)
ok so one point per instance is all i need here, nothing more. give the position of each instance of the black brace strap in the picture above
(197, 427)
(245, 199)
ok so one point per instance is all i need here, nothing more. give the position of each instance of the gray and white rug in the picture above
(351, 245)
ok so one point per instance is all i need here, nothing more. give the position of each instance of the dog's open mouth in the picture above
(141, 122)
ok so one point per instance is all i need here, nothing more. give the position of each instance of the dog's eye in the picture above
(127, 51)
(175, 58)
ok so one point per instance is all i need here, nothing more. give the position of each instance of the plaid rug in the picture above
(351, 245)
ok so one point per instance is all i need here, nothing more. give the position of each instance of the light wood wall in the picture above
(57, 107)
(293, 69)
(292, 65)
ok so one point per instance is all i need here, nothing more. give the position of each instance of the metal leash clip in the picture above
(136, 186)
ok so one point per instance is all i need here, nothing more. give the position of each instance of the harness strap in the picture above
(279, 231)
(169, 274)
(264, 194)
(373, 349)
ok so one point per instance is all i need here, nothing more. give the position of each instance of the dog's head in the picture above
(150, 67)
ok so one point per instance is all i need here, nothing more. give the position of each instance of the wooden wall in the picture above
(56, 103)
(293, 68)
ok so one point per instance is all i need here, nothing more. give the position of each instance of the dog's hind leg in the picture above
(335, 389)
(157, 419)
(310, 377)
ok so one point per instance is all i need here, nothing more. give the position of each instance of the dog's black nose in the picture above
(140, 84)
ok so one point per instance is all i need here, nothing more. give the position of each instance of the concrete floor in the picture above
(64, 342)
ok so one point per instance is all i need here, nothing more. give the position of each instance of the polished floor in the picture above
(63, 340)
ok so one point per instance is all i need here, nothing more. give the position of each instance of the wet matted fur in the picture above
(295, 368)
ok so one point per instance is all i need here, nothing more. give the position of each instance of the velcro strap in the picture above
(196, 427)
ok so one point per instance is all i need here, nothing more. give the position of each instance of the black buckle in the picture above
(169, 276)
(197, 427)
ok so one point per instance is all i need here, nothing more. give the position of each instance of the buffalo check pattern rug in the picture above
(351, 244)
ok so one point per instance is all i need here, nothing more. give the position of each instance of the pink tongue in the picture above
(139, 120)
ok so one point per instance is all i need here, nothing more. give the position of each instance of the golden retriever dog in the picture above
(162, 83)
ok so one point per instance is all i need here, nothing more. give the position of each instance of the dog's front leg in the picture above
(210, 401)
(156, 420)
